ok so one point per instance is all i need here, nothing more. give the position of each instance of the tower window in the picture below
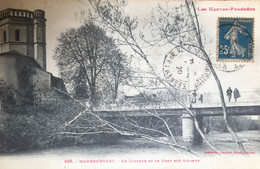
(17, 35)
(4, 36)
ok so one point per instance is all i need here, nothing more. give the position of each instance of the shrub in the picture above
(25, 128)
(238, 123)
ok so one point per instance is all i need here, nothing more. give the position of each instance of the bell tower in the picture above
(16, 31)
(40, 38)
(24, 31)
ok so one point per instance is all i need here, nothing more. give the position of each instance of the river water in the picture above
(139, 153)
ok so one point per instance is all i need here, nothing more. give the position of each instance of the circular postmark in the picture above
(226, 66)
(185, 69)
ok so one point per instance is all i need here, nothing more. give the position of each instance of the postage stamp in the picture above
(235, 39)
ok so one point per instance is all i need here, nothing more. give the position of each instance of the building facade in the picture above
(23, 51)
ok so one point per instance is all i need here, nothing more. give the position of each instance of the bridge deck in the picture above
(201, 109)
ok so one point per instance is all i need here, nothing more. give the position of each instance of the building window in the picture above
(4, 36)
(17, 35)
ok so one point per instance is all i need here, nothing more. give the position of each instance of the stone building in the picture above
(23, 51)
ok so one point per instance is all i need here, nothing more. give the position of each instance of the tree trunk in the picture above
(115, 92)
(93, 98)
(225, 115)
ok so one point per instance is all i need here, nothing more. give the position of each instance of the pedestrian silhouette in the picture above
(201, 98)
(236, 94)
(229, 94)
(194, 95)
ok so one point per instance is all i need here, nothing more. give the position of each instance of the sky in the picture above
(64, 14)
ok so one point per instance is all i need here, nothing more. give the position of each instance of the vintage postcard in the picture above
(129, 84)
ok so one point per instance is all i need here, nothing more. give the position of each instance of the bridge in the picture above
(248, 104)
(198, 109)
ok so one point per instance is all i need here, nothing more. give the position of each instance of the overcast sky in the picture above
(64, 14)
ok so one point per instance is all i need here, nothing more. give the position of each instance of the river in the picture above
(139, 153)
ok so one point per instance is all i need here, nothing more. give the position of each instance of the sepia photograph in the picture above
(112, 84)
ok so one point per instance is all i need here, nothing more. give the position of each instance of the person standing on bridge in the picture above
(201, 98)
(229, 93)
(194, 95)
(236, 94)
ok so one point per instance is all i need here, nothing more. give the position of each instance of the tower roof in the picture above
(10, 12)
(18, 54)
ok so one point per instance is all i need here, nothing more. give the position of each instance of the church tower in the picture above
(24, 31)
(40, 38)
(23, 53)
(16, 31)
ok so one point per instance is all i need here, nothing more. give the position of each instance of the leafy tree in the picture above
(80, 87)
(84, 56)
(6, 93)
(118, 72)
(26, 87)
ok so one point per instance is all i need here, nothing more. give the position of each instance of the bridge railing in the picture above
(246, 96)
(209, 100)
